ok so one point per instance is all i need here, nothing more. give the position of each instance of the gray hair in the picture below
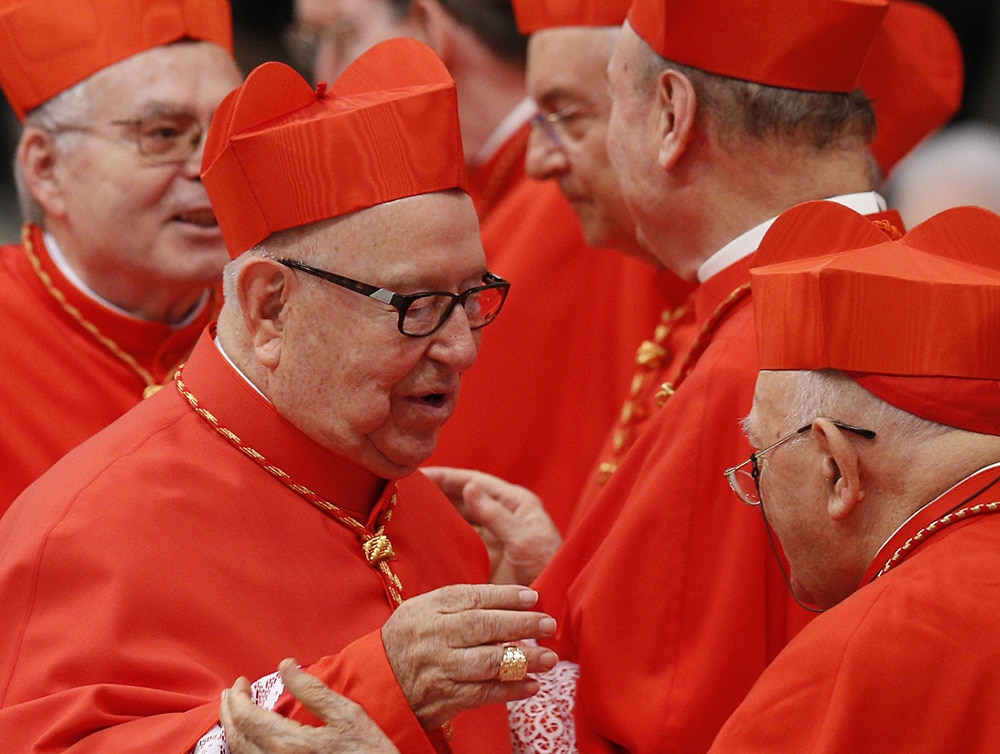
(70, 107)
(744, 110)
(833, 394)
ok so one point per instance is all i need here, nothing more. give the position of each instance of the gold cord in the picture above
(376, 545)
(934, 526)
(649, 358)
(151, 384)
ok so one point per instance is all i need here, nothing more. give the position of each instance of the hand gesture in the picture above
(254, 730)
(446, 648)
(512, 521)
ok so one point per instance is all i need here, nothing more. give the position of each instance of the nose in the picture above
(455, 343)
(545, 159)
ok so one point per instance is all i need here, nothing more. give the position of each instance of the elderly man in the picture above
(120, 254)
(578, 313)
(668, 600)
(877, 462)
(265, 504)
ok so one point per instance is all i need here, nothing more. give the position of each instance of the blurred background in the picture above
(960, 166)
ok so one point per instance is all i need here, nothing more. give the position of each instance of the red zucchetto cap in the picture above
(913, 318)
(50, 45)
(816, 46)
(536, 15)
(914, 76)
(279, 154)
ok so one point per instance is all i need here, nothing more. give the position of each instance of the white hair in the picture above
(835, 395)
(70, 107)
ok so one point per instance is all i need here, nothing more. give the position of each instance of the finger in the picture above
(483, 664)
(487, 511)
(461, 597)
(450, 480)
(236, 715)
(333, 709)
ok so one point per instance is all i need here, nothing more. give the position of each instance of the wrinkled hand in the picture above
(512, 521)
(254, 730)
(445, 647)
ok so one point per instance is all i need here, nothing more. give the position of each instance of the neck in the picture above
(726, 193)
(912, 475)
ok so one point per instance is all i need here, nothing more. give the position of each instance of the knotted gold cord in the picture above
(152, 386)
(649, 357)
(375, 544)
(952, 518)
(701, 342)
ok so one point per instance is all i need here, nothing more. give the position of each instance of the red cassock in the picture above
(59, 382)
(556, 364)
(909, 661)
(667, 593)
(158, 562)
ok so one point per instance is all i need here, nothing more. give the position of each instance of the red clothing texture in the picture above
(157, 562)
(59, 384)
(554, 366)
(667, 593)
(908, 661)
(658, 361)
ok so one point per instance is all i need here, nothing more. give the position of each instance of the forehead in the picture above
(423, 237)
(569, 62)
(193, 76)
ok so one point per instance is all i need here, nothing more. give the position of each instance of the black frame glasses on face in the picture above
(740, 478)
(422, 314)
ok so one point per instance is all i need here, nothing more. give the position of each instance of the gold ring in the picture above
(513, 664)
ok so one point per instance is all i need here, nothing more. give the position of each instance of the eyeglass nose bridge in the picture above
(545, 123)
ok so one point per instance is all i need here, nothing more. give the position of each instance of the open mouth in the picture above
(434, 399)
(203, 218)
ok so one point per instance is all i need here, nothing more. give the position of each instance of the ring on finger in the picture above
(513, 664)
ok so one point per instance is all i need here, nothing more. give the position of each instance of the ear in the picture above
(37, 156)
(677, 105)
(436, 26)
(842, 466)
(263, 287)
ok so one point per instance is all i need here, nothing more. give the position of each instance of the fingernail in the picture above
(528, 597)
(547, 626)
(549, 660)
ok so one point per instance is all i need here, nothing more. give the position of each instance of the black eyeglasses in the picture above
(421, 314)
(167, 138)
(746, 483)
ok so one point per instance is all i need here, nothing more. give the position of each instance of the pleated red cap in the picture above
(811, 45)
(912, 318)
(279, 154)
(536, 15)
(50, 45)
(914, 76)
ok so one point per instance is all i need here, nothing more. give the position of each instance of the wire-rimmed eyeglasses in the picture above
(165, 137)
(746, 482)
(421, 314)
(554, 123)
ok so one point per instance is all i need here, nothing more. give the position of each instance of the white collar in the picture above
(506, 128)
(865, 203)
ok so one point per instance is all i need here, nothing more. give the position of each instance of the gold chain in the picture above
(151, 384)
(934, 526)
(633, 410)
(376, 545)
